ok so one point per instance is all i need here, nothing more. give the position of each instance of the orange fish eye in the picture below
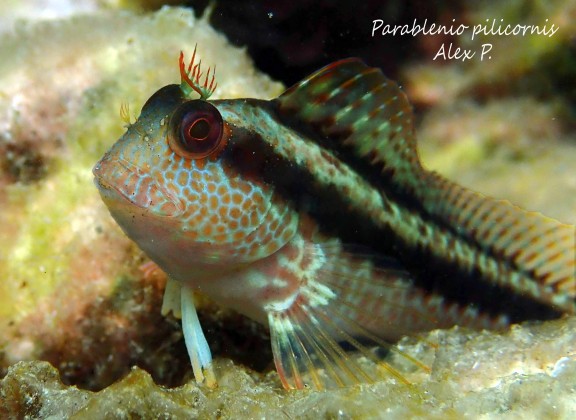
(196, 130)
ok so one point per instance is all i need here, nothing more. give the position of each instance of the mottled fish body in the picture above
(311, 213)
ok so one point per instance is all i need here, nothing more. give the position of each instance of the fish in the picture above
(312, 213)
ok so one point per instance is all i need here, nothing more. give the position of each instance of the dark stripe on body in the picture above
(332, 212)
(382, 179)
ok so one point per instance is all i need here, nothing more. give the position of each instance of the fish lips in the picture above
(122, 182)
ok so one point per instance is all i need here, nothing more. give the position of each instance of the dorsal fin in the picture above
(537, 245)
(367, 121)
(360, 114)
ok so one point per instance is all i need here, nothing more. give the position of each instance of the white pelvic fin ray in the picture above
(171, 300)
(196, 344)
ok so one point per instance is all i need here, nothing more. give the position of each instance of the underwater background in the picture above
(80, 327)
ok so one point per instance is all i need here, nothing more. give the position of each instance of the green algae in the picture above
(40, 254)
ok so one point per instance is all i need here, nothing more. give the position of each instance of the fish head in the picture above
(183, 184)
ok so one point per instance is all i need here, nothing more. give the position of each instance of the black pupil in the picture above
(199, 129)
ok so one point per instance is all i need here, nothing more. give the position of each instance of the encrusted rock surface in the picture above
(529, 372)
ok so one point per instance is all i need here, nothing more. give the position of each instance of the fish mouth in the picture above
(118, 180)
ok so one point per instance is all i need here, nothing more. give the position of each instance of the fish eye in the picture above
(196, 130)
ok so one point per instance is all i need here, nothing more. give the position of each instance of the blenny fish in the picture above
(311, 213)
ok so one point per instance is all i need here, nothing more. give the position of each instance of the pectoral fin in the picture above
(357, 302)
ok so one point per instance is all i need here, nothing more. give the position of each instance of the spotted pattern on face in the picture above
(238, 220)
